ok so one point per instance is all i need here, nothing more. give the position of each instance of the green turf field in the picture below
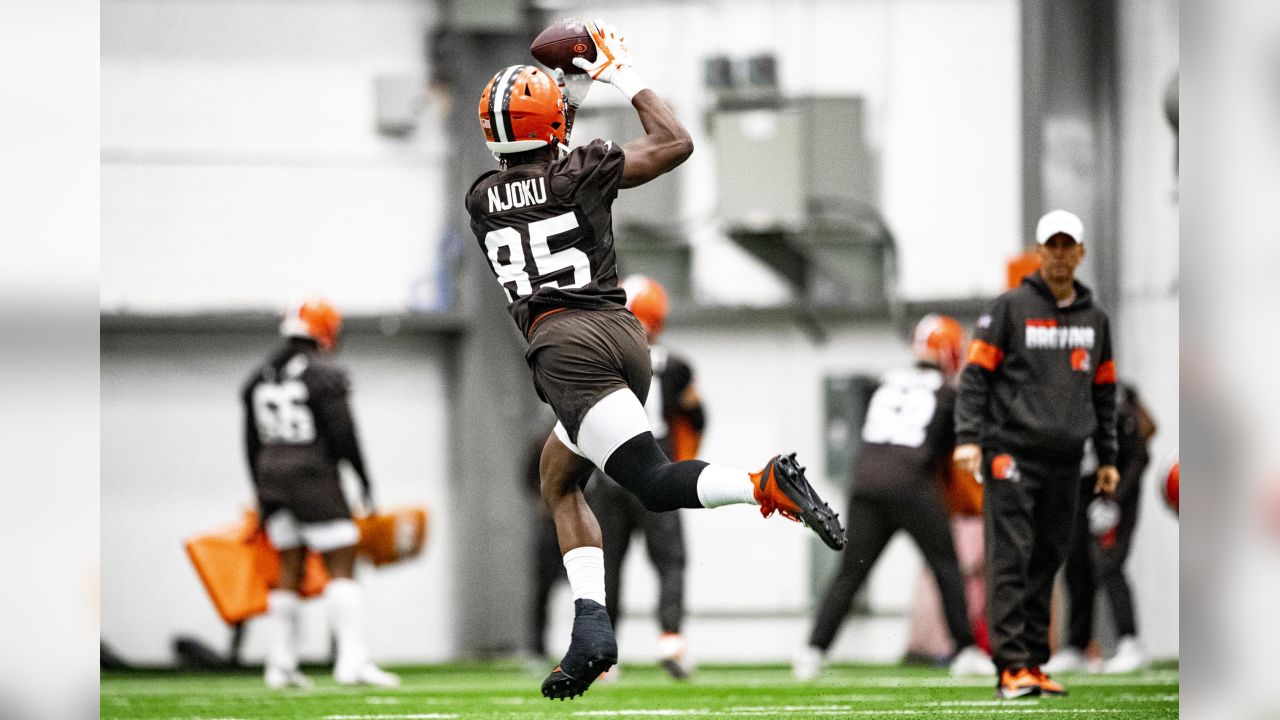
(508, 690)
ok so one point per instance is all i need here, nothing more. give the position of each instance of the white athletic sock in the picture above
(282, 621)
(346, 612)
(720, 486)
(585, 566)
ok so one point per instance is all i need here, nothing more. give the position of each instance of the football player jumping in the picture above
(544, 221)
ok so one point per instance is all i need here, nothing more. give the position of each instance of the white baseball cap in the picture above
(1059, 221)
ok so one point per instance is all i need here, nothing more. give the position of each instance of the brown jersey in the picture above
(297, 417)
(547, 230)
(907, 435)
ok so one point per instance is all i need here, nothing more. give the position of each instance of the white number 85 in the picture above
(545, 262)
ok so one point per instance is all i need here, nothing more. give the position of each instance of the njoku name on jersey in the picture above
(547, 231)
(517, 194)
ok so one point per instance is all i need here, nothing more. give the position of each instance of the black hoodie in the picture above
(1040, 379)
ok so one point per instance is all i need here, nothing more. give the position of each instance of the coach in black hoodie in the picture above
(1039, 381)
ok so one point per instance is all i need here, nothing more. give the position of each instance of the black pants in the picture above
(1028, 512)
(620, 515)
(548, 569)
(872, 521)
(1095, 562)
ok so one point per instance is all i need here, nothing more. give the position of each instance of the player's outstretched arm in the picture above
(665, 143)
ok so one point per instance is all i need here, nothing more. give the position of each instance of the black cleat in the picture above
(674, 668)
(592, 651)
(782, 486)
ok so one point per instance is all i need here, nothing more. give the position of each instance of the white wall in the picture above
(1147, 348)
(173, 465)
(240, 159)
(941, 81)
(238, 142)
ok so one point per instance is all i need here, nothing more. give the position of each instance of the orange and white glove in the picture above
(613, 60)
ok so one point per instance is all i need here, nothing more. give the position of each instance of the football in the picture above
(559, 44)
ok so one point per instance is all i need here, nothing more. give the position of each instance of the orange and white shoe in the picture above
(1017, 683)
(781, 486)
(1048, 686)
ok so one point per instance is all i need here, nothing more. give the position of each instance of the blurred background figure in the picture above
(676, 414)
(1101, 541)
(297, 428)
(928, 640)
(1040, 381)
(907, 440)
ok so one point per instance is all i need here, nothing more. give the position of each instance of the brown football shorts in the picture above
(301, 481)
(579, 356)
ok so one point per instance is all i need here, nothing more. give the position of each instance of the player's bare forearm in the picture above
(665, 143)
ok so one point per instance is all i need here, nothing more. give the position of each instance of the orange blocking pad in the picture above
(393, 535)
(238, 566)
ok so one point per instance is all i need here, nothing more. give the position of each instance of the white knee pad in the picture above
(613, 420)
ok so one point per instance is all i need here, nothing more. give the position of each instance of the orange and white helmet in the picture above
(312, 318)
(647, 300)
(940, 339)
(522, 109)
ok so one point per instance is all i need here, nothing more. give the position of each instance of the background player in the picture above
(1040, 380)
(298, 427)
(907, 441)
(678, 420)
(544, 221)
(1101, 541)
(928, 640)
